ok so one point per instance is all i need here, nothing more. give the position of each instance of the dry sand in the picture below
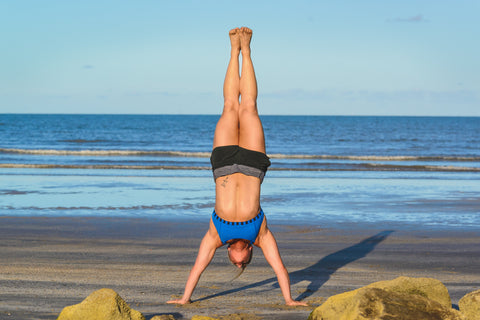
(49, 263)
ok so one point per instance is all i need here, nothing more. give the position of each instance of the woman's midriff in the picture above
(237, 197)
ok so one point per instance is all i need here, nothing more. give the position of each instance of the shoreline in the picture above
(48, 263)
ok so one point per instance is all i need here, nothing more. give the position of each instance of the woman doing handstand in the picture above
(239, 165)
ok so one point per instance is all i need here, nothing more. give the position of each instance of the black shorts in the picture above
(227, 160)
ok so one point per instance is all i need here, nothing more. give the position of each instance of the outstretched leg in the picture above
(251, 134)
(226, 132)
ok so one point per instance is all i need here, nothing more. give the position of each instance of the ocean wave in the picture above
(344, 167)
(374, 158)
(112, 152)
(54, 152)
(15, 192)
(82, 141)
(183, 206)
(384, 167)
(98, 166)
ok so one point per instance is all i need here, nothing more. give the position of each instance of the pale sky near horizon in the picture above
(372, 57)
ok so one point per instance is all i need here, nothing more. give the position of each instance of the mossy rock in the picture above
(426, 287)
(164, 317)
(401, 298)
(470, 305)
(103, 304)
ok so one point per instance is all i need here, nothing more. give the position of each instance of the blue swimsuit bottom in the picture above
(247, 230)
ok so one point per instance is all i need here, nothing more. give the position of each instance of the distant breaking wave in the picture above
(100, 166)
(207, 155)
(354, 167)
(374, 158)
(53, 152)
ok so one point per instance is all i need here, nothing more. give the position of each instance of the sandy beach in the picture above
(49, 263)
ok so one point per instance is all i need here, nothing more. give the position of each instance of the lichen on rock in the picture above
(103, 304)
(470, 305)
(401, 298)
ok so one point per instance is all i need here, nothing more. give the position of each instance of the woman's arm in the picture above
(269, 246)
(208, 246)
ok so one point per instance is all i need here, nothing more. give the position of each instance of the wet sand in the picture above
(49, 263)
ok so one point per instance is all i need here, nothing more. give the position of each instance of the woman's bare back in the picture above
(237, 197)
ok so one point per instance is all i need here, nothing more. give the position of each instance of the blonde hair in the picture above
(244, 265)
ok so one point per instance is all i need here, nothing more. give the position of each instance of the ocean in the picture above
(327, 171)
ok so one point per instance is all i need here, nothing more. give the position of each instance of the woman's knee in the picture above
(248, 106)
(248, 115)
(230, 105)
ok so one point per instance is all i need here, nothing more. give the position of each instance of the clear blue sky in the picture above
(410, 57)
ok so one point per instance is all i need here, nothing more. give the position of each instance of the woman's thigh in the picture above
(251, 134)
(226, 132)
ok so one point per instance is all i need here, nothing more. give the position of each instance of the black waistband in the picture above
(241, 223)
(229, 155)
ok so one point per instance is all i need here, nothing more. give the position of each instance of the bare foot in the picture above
(234, 35)
(245, 38)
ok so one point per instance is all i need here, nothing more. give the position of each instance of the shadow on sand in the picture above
(319, 273)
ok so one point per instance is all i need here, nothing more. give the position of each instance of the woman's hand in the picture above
(208, 246)
(269, 246)
(179, 301)
(294, 303)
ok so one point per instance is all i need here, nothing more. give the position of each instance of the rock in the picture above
(233, 316)
(470, 305)
(103, 304)
(163, 317)
(426, 287)
(401, 298)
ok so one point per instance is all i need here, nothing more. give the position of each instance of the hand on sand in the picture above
(179, 301)
(294, 303)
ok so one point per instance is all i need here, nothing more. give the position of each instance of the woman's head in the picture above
(240, 252)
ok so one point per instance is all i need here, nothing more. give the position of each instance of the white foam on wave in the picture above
(362, 167)
(98, 166)
(374, 158)
(111, 152)
(54, 152)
